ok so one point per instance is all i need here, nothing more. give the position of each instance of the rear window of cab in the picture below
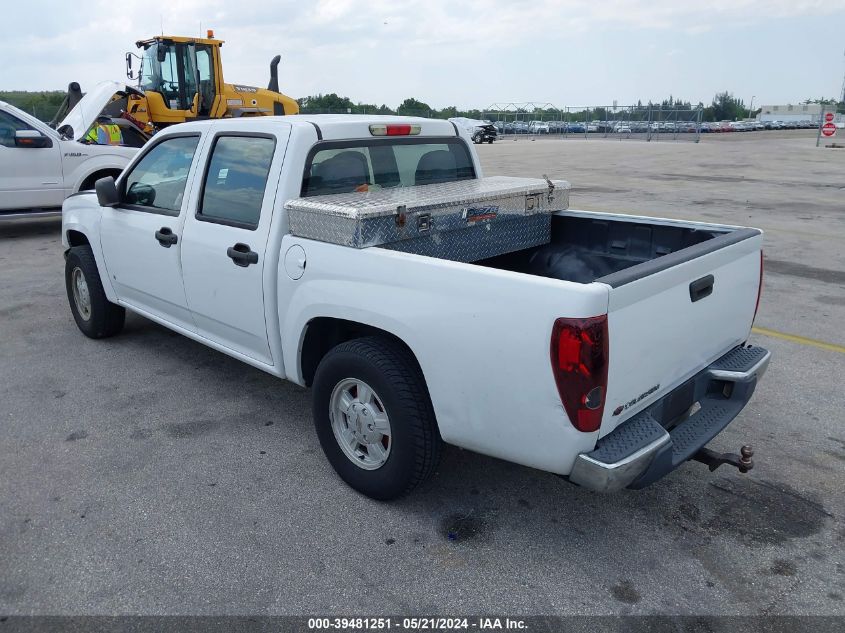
(369, 165)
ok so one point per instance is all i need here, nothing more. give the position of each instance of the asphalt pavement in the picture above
(149, 474)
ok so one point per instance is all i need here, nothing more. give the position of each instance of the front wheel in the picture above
(94, 314)
(374, 418)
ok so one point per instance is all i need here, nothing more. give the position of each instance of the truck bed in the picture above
(680, 294)
(595, 247)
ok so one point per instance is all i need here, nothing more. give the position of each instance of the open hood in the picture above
(79, 120)
(469, 124)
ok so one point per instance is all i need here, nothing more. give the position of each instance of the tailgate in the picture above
(665, 326)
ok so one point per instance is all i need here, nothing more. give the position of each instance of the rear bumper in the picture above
(651, 444)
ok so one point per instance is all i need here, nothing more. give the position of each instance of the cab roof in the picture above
(329, 126)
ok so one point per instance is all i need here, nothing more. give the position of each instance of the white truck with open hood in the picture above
(41, 166)
(368, 258)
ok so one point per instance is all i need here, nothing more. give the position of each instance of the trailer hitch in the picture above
(743, 462)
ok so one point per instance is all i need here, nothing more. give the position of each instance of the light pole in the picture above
(751, 107)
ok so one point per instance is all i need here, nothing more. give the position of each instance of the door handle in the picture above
(242, 255)
(701, 288)
(166, 237)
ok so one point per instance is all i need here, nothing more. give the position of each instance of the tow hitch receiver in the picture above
(743, 462)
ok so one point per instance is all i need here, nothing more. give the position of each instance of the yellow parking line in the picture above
(803, 340)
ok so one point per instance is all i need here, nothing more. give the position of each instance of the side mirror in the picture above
(141, 194)
(161, 53)
(107, 194)
(129, 72)
(66, 132)
(32, 139)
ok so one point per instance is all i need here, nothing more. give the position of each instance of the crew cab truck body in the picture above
(583, 357)
(39, 167)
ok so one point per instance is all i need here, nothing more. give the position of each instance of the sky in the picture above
(467, 53)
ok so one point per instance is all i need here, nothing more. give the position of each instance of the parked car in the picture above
(40, 166)
(538, 127)
(405, 340)
(479, 131)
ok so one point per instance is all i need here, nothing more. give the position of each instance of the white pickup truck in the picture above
(40, 166)
(610, 354)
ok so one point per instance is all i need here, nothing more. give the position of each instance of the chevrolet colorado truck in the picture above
(610, 351)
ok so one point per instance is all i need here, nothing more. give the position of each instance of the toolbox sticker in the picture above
(479, 214)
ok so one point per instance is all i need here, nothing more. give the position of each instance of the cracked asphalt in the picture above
(147, 474)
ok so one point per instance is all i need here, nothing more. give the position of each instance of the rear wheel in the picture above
(94, 314)
(374, 418)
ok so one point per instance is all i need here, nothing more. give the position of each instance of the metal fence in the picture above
(645, 122)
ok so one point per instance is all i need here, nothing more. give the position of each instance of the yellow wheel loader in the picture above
(181, 79)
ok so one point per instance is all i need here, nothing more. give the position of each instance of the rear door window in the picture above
(343, 167)
(235, 181)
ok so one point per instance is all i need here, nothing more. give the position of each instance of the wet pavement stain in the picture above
(460, 528)
(76, 435)
(626, 592)
(191, 429)
(783, 567)
(831, 300)
(766, 513)
(807, 272)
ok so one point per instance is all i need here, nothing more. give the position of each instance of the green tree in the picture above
(325, 104)
(412, 107)
(42, 105)
(726, 107)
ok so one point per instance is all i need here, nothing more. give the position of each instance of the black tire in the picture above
(103, 318)
(392, 372)
(477, 139)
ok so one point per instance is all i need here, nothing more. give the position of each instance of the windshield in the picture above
(343, 167)
(151, 78)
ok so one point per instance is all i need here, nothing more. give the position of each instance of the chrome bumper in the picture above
(641, 450)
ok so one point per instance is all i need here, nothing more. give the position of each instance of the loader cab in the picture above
(184, 72)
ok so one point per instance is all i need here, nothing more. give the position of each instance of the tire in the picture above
(477, 139)
(399, 393)
(490, 141)
(95, 316)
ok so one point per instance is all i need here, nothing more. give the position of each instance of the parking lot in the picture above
(149, 474)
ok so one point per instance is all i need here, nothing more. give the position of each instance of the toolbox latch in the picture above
(401, 215)
(423, 222)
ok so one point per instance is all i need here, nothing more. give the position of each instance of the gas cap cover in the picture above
(295, 261)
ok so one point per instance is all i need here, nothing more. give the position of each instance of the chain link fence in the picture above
(643, 122)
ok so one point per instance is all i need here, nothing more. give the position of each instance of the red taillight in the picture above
(759, 289)
(394, 129)
(579, 363)
(398, 130)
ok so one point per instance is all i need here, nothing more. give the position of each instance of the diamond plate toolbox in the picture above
(467, 220)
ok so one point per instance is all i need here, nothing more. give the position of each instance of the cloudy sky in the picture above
(468, 53)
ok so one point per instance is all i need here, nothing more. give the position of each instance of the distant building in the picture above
(789, 112)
